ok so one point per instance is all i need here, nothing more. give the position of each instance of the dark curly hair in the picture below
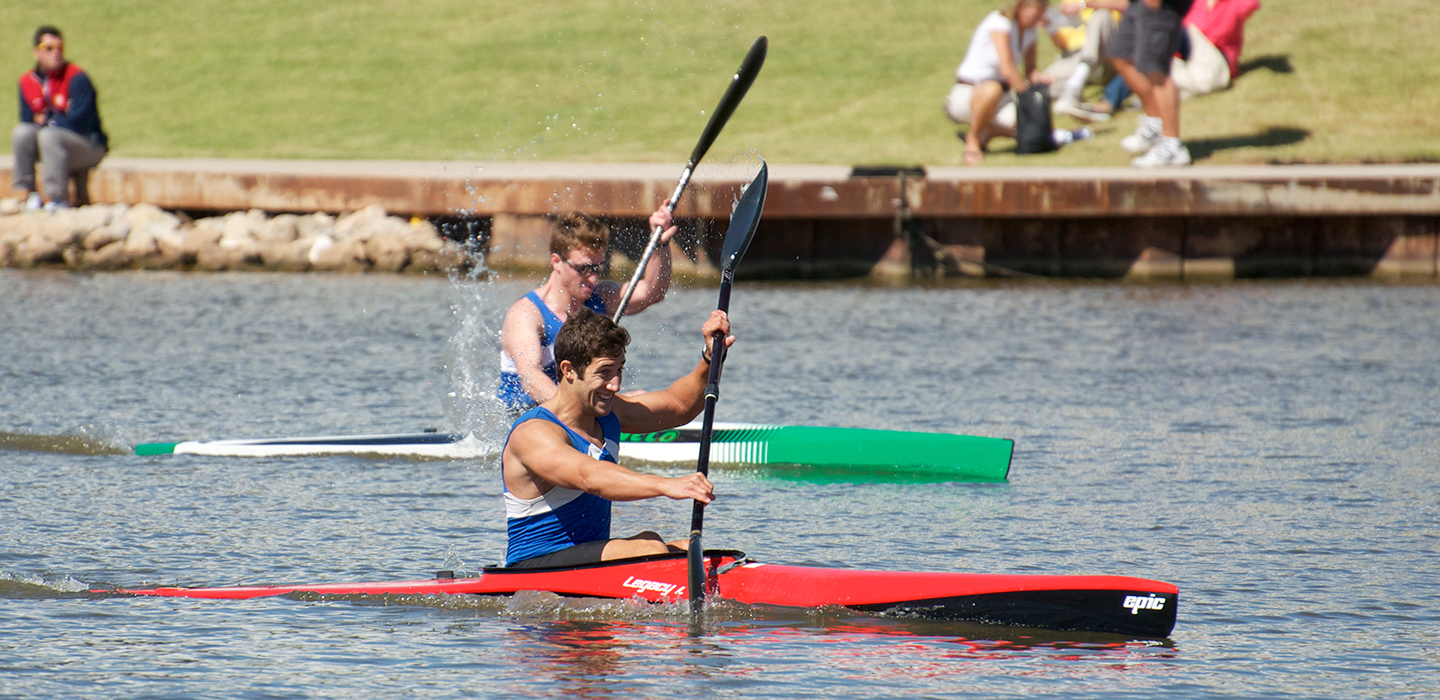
(588, 335)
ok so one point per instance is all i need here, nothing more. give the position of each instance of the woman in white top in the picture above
(988, 78)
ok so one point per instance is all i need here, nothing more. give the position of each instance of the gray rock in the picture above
(142, 214)
(450, 257)
(290, 256)
(88, 218)
(170, 239)
(386, 249)
(357, 224)
(218, 257)
(315, 225)
(423, 236)
(141, 244)
(281, 229)
(108, 257)
(241, 230)
(107, 234)
(204, 234)
(346, 255)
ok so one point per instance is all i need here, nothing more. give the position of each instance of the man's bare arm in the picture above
(543, 449)
(520, 338)
(655, 284)
(679, 403)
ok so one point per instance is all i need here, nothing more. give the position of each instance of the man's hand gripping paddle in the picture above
(749, 68)
(743, 223)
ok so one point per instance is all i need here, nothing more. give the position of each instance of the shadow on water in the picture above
(1273, 136)
(1274, 64)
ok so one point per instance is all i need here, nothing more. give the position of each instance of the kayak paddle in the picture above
(749, 68)
(743, 222)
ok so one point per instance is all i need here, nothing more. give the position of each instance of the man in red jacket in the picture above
(59, 123)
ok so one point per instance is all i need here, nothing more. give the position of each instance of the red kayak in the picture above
(1117, 604)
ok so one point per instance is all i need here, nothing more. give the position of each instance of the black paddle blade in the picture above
(745, 220)
(696, 573)
(739, 85)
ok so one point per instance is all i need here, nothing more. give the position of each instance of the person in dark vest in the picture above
(59, 124)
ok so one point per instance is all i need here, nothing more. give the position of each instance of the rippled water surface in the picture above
(1272, 449)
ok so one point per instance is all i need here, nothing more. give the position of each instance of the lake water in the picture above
(1271, 448)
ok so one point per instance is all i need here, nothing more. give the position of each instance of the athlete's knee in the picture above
(646, 536)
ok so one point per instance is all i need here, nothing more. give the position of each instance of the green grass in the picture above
(616, 80)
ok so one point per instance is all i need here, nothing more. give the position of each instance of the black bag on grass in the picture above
(1034, 130)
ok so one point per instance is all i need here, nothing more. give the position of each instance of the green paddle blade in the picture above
(156, 448)
(825, 454)
(936, 455)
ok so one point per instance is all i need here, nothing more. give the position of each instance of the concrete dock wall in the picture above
(822, 221)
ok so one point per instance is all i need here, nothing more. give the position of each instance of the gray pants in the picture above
(61, 152)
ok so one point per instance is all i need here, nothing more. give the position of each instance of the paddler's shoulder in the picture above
(538, 432)
(524, 311)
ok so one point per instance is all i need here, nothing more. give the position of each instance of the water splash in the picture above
(80, 441)
(472, 355)
(32, 586)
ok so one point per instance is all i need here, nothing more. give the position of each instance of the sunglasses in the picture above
(50, 47)
(584, 269)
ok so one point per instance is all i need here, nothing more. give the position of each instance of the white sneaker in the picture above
(54, 206)
(1144, 138)
(1168, 153)
(1083, 112)
(33, 202)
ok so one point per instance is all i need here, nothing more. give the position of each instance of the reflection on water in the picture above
(1270, 448)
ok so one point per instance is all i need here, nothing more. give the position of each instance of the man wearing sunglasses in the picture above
(579, 246)
(59, 123)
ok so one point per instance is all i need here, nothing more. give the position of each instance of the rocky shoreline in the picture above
(143, 236)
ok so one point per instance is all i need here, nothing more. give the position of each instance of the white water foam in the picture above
(472, 362)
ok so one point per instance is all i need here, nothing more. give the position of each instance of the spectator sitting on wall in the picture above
(59, 123)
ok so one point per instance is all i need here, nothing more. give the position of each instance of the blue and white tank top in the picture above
(511, 391)
(561, 517)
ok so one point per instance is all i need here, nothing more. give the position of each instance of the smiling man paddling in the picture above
(559, 461)
(578, 248)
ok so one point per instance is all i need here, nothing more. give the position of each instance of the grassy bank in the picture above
(846, 82)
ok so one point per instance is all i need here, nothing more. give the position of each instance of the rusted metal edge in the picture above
(796, 192)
